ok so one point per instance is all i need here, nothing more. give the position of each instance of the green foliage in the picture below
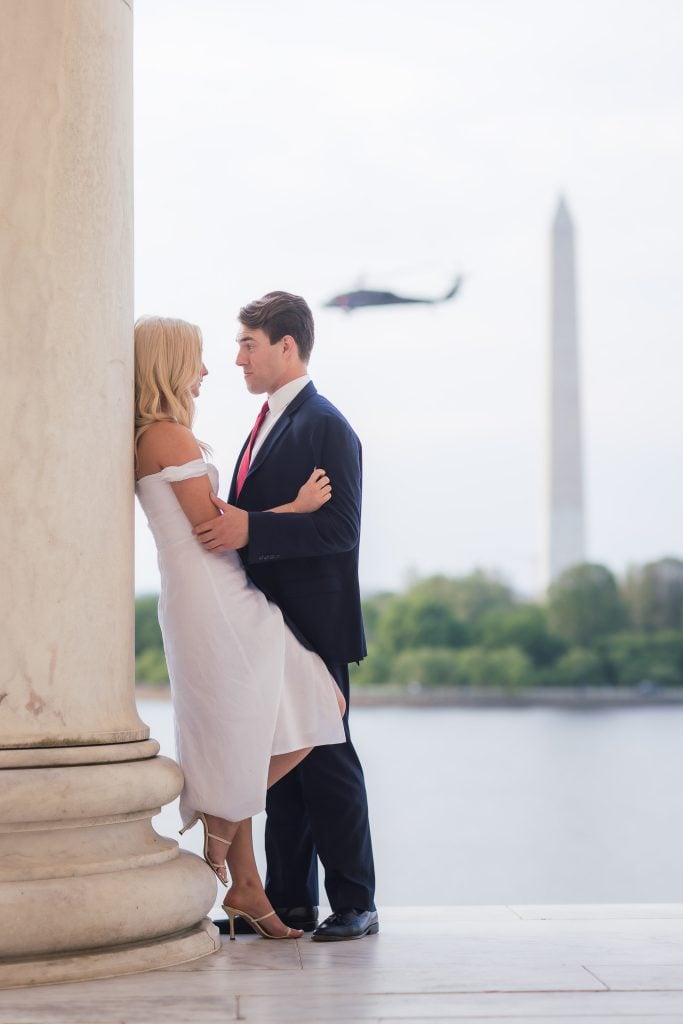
(577, 667)
(654, 595)
(508, 667)
(429, 666)
(524, 626)
(376, 668)
(473, 632)
(150, 666)
(468, 597)
(373, 609)
(150, 663)
(418, 620)
(147, 631)
(584, 604)
(636, 658)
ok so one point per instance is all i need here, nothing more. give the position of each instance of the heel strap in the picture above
(271, 913)
(227, 842)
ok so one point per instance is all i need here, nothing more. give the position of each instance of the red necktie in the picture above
(246, 458)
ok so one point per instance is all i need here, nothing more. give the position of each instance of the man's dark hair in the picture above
(281, 313)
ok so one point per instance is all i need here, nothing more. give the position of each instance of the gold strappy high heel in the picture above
(208, 835)
(255, 923)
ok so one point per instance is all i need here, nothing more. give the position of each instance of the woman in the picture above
(250, 702)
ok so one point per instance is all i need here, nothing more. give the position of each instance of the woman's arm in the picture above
(335, 528)
(312, 495)
(194, 497)
(170, 444)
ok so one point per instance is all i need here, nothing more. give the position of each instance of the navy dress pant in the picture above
(320, 809)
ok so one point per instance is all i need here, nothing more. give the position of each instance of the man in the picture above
(308, 565)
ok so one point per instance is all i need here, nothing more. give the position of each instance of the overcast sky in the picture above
(304, 145)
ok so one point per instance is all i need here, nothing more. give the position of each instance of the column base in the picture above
(134, 958)
(87, 887)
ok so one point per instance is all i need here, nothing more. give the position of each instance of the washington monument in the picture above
(565, 545)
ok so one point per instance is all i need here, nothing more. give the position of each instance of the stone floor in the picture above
(556, 964)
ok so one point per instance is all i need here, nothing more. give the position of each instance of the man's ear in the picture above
(289, 344)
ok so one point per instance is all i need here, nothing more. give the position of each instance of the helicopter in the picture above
(349, 301)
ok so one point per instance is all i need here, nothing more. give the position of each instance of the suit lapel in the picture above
(280, 428)
(232, 495)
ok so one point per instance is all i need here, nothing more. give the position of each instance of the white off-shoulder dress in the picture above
(243, 687)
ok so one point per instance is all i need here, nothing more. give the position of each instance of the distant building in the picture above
(565, 540)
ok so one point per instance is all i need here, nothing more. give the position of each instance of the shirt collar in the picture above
(280, 399)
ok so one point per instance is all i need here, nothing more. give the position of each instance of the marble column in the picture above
(87, 888)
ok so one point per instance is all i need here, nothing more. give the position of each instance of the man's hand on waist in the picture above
(227, 532)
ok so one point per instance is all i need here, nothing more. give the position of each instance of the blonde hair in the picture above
(168, 363)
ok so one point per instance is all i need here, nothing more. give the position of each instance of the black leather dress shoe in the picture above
(305, 918)
(347, 924)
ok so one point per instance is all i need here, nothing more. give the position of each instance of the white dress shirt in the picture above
(277, 403)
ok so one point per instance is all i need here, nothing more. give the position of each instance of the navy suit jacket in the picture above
(307, 563)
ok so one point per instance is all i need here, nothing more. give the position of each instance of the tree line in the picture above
(592, 629)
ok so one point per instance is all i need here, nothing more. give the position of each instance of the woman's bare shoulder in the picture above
(165, 430)
(166, 444)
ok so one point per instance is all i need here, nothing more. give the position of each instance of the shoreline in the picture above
(392, 695)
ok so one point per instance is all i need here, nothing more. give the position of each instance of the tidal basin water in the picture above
(528, 805)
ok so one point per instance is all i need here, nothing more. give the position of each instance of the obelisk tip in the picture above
(562, 217)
